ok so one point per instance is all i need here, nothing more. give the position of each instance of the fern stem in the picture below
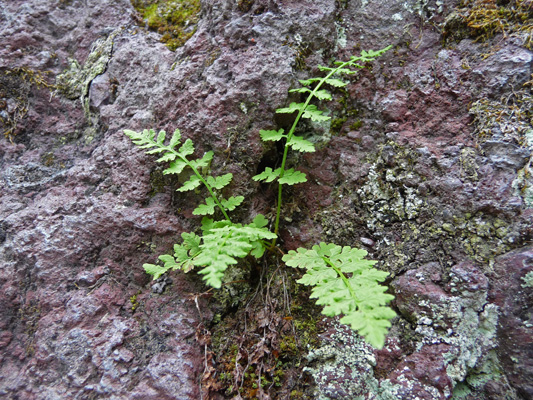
(343, 277)
(289, 136)
(204, 182)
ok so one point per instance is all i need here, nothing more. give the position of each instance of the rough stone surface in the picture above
(400, 171)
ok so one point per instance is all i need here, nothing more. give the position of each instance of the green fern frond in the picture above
(268, 175)
(338, 70)
(300, 144)
(206, 209)
(292, 177)
(193, 182)
(232, 203)
(293, 107)
(308, 110)
(219, 182)
(175, 167)
(177, 153)
(313, 113)
(272, 135)
(203, 162)
(155, 270)
(346, 284)
(300, 90)
(222, 247)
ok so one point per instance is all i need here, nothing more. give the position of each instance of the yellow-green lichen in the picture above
(469, 166)
(405, 225)
(528, 280)
(75, 81)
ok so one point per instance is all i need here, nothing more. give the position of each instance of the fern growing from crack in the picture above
(313, 88)
(343, 281)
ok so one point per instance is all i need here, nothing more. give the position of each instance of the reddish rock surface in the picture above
(403, 170)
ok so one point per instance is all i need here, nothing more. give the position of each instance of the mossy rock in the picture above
(175, 20)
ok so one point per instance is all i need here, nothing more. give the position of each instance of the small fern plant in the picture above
(222, 242)
(343, 281)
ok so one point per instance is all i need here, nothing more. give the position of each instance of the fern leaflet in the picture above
(345, 283)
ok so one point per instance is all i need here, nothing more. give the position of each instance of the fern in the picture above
(342, 280)
(222, 242)
(345, 283)
(311, 87)
(222, 245)
(177, 154)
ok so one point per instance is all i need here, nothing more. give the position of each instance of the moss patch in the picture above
(259, 344)
(483, 19)
(245, 5)
(175, 20)
(15, 87)
(508, 119)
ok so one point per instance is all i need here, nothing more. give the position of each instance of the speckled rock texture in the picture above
(403, 170)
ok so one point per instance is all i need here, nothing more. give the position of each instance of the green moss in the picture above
(484, 19)
(245, 5)
(211, 58)
(337, 123)
(158, 182)
(15, 87)
(356, 125)
(282, 314)
(175, 20)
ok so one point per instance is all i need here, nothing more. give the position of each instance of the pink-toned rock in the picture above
(81, 209)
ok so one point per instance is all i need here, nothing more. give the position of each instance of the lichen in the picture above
(523, 184)
(469, 166)
(343, 367)
(385, 202)
(75, 81)
(385, 194)
(341, 37)
(507, 120)
(528, 280)
(487, 369)
(427, 9)
(408, 227)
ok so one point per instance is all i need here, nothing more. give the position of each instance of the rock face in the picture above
(426, 164)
